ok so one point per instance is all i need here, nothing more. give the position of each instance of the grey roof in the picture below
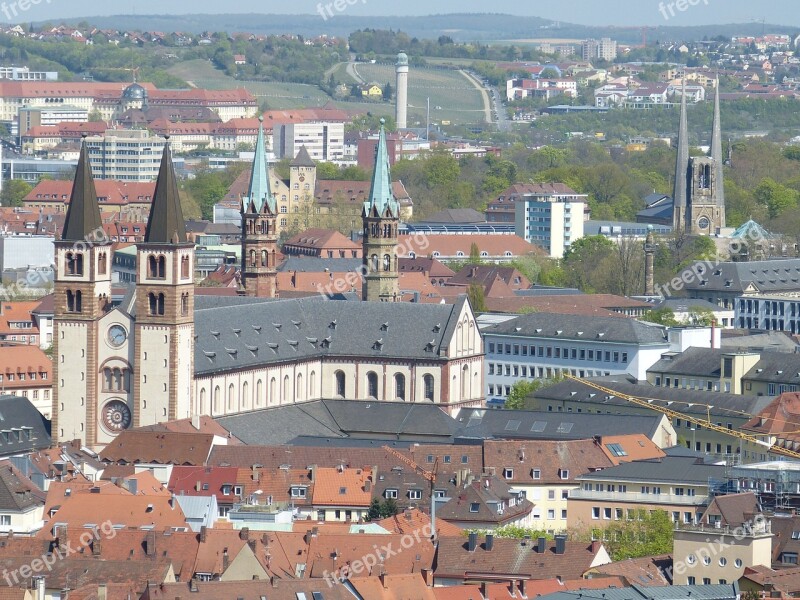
(166, 224)
(320, 265)
(17, 492)
(685, 304)
(18, 415)
(660, 212)
(340, 419)
(483, 423)
(700, 362)
(196, 507)
(758, 341)
(456, 215)
(303, 159)
(776, 367)
(238, 337)
(83, 213)
(669, 469)
(578, 328)
(637, 592)
(722, 405)
(626, 228)
(775, 275)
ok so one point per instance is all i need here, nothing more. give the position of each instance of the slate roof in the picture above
(17, 492)
(341, 419)
(17, 414)
(776, 367)
(303, 159)
(166, 224)
(485, 423)
(722, 405)
(237, 337)
(580, 328)
(669, 469)
(83, 214)
(734, 509)
(772, 341)
(636, 592)
(456, 215)
(701, 362)
(768, 276)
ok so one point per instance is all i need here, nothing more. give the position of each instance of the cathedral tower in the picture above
(164, 329)
(381, 218)
(82, 293)
(259, 276)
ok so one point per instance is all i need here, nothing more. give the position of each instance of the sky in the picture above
(588, 12)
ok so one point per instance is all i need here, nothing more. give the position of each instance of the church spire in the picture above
(381, 196)
(716, 147)
(259, 191)
(83, 214)
(166, 224)
(682, 163)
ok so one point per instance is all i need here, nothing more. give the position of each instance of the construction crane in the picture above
(429, 475)
(674, 414)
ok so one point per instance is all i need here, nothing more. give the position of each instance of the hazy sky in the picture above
(608, 12)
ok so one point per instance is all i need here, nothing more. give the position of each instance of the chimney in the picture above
(150, 543)
(41, 588)
(226, 561)
(489, 542)
(427, 575)
(367, 485)
(193, 585)
(102, 591)
(473, 542)
(198, 486)
(561, 544)
(596, 545)
(96, 548)
(203, 533)
(541, 545)
(484, 589)
(312, 472)
(244, 533)
(196, 421)
(523, 588)
(252, 544)
(384, 581)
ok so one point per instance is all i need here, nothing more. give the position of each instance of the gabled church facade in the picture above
(164, 354)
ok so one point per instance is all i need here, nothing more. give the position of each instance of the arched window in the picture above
(79, 264)
(400, 386)
(253, 258)
(184, 304)
(285, 388)
(102, 263)
(372, 385)
(374, 262)
(160, 304)
(231, 392)
(70, 264)
(108, 379)
(465, 382)
(152, 267)
(427, 382)
(203, 401)
(298, 392)
(78, 301)
(245, 393)
(156, 304)
(387, 262)
(259, 393)
(273, 391)
(339, 383)
(312, 384)
(70, 301)
(185, 263)
(162, 267)
(263, 258)
(216, 400)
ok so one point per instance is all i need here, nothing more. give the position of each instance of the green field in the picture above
(460, 102)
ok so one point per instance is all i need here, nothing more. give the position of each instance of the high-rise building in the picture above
(324, 141)
(125, 155)
(604, 48)
(551, 218)
(401, 95)
(381, 218)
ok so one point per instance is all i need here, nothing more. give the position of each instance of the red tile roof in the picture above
(134, 446)
(109, 192)
(342, 487)
(450, 245)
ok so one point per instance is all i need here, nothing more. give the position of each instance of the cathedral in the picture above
(699, 191)
(164, 353)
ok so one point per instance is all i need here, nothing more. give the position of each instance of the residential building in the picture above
(114, 196)
(496, 248)
(25, 74)
(125, 155)
(604, 48)
(503, 208)
(18, 326)
(487, 503)
(542, 346)
(41, 116)
(22, 504)
(324, 141)
(322, 243)
(24, 428)
(679, 485)
(342, 494)
(26, 371)
(550, 221)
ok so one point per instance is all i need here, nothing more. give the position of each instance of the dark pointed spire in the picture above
(83, 214)
(381, 195)
(716, 148)
(682, 162)
(166, 225)
(303, 159)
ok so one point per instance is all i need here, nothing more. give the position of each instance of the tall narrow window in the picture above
(339, 383)
(102, 263)
(185, 263)
(428, 385)
(400, 386)
(372, 385)
(78, 301)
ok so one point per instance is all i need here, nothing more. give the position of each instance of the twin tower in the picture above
(699, 192)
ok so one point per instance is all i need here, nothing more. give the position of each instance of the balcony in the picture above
(638, 497)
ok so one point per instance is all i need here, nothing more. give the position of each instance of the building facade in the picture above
(551, 220)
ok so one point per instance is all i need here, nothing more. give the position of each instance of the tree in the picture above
(477, 297)
(701, 316)
(389, 508)
(474, 254)
(14, 192)
(661, 316)
(645, 533)
(778, 198)
(388, 92)
(520, 391)
(374, 511)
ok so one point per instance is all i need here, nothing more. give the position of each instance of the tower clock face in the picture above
(302, 178)
(117, 335)
(116, 416)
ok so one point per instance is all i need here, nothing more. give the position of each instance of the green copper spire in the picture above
(259, 191)
(83, 215)
(381, 196)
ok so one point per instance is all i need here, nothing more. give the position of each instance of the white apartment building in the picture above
(125, 155)
(604, 48)
(552, 219)
(544, 345)
(324, 141)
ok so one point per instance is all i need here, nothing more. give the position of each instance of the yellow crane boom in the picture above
(674, 414)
